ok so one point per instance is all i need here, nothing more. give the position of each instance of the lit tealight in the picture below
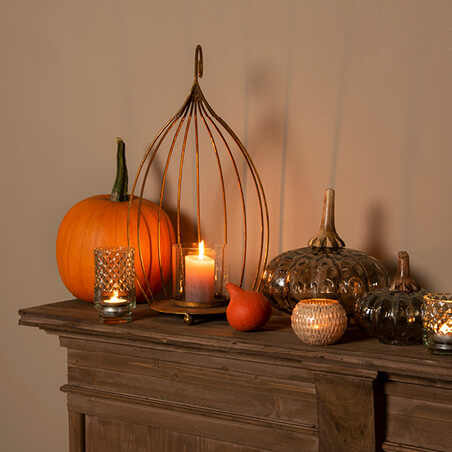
(445, 329)
(115, 298)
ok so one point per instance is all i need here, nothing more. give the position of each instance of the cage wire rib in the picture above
(195, 106)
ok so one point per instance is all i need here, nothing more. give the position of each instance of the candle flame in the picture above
(445, 329)
(115, 297)
(201, 249)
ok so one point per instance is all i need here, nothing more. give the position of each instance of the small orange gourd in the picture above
(102, 221)
(247, 310)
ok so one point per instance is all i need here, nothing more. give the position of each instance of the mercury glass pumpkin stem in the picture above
(403, 282)
(327, 235)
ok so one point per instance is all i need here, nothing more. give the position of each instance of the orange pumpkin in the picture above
(102, 221)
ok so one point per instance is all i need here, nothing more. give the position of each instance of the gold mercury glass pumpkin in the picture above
(323, 269)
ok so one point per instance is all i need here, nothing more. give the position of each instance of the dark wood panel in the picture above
(206, 393)
(420, 389)
(393, 447)
(113, 436)
(76, 432)
(234, 392)
(346, 413)
(275, 340)
(419, 423)
(237, 430)
(103, 435)
(208, 385)
(278, 367)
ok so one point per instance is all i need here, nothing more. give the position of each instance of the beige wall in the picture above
(354, 94)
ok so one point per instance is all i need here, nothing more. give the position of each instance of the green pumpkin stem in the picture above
(119, 192)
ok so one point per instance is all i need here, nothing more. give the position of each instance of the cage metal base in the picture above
(189, 312)
(215, 303)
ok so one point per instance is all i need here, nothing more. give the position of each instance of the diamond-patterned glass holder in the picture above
(114, 284)
(437, 320)
(319, 321)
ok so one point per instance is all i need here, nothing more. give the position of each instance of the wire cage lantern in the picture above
(181, 136)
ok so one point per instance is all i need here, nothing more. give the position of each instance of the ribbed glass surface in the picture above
(340, 273)
(393, 317)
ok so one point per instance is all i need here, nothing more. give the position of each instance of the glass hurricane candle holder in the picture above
(199, 272)
(114, 286)
(319, 321)
(437, 320)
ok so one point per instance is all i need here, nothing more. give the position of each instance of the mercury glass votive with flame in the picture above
(114, 285)
(319, 321)
(437, 320)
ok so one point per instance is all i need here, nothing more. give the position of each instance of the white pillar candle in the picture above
(199, 277)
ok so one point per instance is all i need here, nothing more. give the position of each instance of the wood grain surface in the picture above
(76, 432)
(346, 412)
(158, 384)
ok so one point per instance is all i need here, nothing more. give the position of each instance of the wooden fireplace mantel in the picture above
(157, 384)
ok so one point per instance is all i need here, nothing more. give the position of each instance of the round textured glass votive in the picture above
(319, 321)
(437, 320)
(199, 272)
(114, 286)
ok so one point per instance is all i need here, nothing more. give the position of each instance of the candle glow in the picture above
(115, 298)
(446, 329)
(199, 276)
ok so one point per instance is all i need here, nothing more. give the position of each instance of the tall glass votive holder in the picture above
(437, 320)
(199, 274)
(114, 286)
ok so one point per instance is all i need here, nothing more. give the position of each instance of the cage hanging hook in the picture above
(198, 62)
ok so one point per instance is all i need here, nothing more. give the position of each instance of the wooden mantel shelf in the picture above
(158, 384)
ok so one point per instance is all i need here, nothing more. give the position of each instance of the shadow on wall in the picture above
(270, 128)
(263, 147)
(376, 244)
(269, 146)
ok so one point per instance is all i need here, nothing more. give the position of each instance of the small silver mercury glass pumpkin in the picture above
(394, 315)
